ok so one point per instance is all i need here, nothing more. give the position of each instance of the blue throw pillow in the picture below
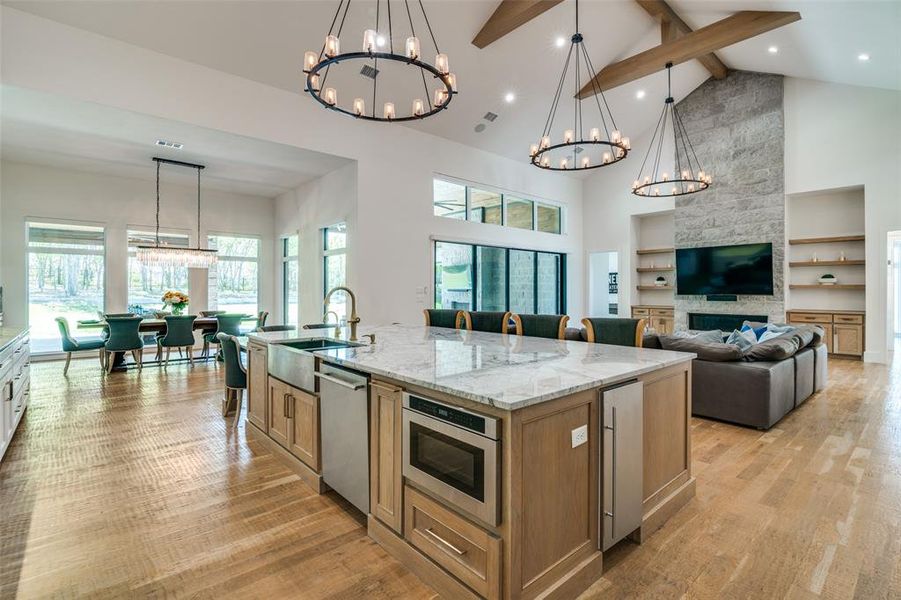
(758, 331)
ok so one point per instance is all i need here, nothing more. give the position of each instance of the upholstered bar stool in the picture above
(235, 374)
(229, 324)
(545, 326)
(447, 317)
(617, 332)
(492, 322)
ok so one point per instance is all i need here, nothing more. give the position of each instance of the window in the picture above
(519, 213)
(523, 281)
(65, 279)
(548, 218)
(234, 281)
(290, 289)
(485, 207)
(147, 284)
(449, 199)
(334, 266)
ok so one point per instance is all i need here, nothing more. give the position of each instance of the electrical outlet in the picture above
(580, 435)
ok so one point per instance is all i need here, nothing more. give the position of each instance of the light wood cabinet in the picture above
(847, 339)
(660, 318)
(278, 412)
(385, 454)
(257, 385)
(303, 427)
(844, 331)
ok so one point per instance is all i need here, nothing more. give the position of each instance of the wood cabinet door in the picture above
(279, 425)
(385, 454)
(847, 339)
(257, 386)
(303, 420)
(666, 325)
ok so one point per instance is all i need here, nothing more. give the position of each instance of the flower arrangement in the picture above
(176, 300)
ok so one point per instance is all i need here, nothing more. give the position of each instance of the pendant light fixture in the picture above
(603, 144)
(383, 103)
(687, 176)
(174, 256)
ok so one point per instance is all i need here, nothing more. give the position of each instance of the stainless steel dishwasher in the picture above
(344, 432)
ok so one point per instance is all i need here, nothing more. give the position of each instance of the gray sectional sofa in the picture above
(758, 386)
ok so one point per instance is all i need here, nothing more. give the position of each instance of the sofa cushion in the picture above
(743, 339)
(710, 351)
(804, 375)
(778, 348)
(757, 394)
(758, 331)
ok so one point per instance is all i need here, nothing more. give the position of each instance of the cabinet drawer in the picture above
(463, 549)
(661, 312)
(639, 312)
(809, 318)
(855, 319)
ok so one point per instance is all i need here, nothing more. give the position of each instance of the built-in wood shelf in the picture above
(648, 288)
(655, 251)
(827, 263)
(834, 286)
(654, 269)
(828, 240)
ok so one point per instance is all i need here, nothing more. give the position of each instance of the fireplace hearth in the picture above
(723, 322)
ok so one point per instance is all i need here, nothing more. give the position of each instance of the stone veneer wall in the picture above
(738, 131)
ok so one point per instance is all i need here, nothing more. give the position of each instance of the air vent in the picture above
(369, 72)
(490, 117)
(173, 145)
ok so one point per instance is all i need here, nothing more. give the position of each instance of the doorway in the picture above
(603, 296)
(894, 293)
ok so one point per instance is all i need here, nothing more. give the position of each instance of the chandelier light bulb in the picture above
(585, 162)
(314, 82)
(635, 184)
(389, 110)
(380, 41)
(418, 107)
(533, 149)
(568, 136)
(616, 136)
(675, 191)
(441, 63)
(545, 142)
(310, 60)
(656, 191)
(627, 143)
(606, 158)
(369, 40)
(545, 161)
(440, 97)
(647, 179)
(595, 134)
(564, 162)
(452, 81)
(691, 187)
(332, 46)
(665, 176)
(686, 174)
(359, 106)
(330, 96)
(620, 153)
(412, 47)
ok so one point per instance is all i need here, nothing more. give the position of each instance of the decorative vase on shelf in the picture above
(814, 258)
(660, 281)
(828, 279)
(841, 257)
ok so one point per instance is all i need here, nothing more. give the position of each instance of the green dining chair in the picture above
(212, 313)
(235, 374)
(124, 336)
(227, 323)
(544, 326)
(446, 317)
(262, 316)
(616, 332)
(179, 334)
(266, 328)
(492, 322)
(71, 344)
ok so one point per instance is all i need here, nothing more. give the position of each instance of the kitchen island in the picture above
(498, 466)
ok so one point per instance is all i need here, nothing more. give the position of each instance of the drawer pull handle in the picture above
(445, 543)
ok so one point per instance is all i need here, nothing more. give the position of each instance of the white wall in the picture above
(117, 204)
(395, 164)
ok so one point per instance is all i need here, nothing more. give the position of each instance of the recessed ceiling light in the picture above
(380, 41)
(560, 42)
(773, 49)
(509, 97)
(639, 94)
(863, 57)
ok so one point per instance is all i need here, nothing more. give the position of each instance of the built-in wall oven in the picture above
(453, 453)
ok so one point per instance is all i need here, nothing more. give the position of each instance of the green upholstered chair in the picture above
(227, 323)
(212, 313)
(545, 326)
(617, 332)
(262, 316)
(492, 322)
(235, 374)
(179, 334)
(265, 328)
(71, 344)
(448, 317)
(124, 337)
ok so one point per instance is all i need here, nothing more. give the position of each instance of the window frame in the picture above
(129, 229)
(326, 253)
(223, 257)
(286, 259)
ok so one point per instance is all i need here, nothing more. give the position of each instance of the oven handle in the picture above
(341, 382)
(444, 542)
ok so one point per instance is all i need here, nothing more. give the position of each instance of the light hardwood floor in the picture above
(133, 485)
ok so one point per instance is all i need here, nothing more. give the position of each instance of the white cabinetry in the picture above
(15, 383)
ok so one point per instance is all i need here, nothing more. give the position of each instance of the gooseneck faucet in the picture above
(354, 319)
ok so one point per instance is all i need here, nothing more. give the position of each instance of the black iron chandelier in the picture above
(688, 177)
(577, 152)
(379, 48)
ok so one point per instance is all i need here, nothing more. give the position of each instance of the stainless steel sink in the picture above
(294, 363)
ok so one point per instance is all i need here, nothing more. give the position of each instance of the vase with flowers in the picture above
(176, 301)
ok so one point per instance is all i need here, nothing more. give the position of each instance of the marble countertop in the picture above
(9, 333)
(505, 371)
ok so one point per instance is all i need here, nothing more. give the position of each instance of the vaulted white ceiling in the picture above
(264, 41)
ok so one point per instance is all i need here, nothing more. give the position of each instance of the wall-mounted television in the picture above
(720, 270)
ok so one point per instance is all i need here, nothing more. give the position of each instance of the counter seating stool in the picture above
(235, 374)
(545, 326)
(227, 323)
(446, 317)
(265, 328)
(617, 332)
(71, 344)
(124, 336)
(262, 316)
(492, 322)
(179, 334)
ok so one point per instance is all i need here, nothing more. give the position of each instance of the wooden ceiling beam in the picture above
(672, 27)
(509, 16)
(731, 30)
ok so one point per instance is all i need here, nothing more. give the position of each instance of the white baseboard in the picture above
(874, 356)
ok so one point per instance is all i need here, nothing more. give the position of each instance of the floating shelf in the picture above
(648, 288)
(655, 251)
(835, 286)
(827, 263)
(828, 240)
(654, 269)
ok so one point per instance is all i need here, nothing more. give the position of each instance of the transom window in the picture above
(454, 200)
(234, 281)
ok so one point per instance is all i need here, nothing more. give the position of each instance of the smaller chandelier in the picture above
(378, 103)
(175, 256)
(603, 145)
(687, 177)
